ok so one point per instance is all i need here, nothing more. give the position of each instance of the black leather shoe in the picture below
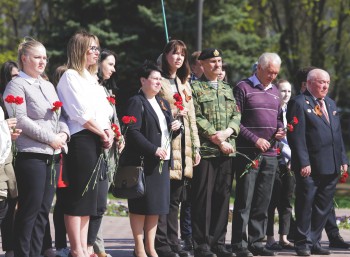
(168, 254)
(182, 253)
(241, 252)
(338, 242)
(262, 251)
(320, 251)
(221, 251)
(203, 253)
(303, 252)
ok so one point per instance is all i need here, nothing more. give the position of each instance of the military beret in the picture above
(210, 53)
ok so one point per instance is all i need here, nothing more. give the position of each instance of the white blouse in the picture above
(163, 126)
(83, 99)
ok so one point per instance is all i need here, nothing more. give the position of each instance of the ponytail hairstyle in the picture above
(24, 47)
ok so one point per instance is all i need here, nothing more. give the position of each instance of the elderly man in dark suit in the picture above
(318, 157)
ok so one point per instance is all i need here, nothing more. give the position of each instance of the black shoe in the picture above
(182, 253)
(188, 244)
(303, 252)
(168, 254)
(320, 251)
(241, 252)
(203, 253)
(221, 251)
(262, 251)
(338, 242)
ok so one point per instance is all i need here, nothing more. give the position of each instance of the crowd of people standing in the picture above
(192, 132)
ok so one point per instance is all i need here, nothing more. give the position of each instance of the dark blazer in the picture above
(315, 141)
(144, 137)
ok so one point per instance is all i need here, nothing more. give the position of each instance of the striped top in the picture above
(261, 113)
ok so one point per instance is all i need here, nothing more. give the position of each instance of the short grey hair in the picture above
(314, 73)
(267, 58)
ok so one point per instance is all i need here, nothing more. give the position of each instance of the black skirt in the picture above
(156, 201)
(84, 150)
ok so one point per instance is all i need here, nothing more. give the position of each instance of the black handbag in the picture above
(129, 182)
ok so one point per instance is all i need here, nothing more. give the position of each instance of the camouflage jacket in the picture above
(215, 110)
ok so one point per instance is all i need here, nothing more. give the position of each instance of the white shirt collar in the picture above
(254, 79)
(28, 78)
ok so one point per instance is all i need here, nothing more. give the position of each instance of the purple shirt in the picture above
(261, 113)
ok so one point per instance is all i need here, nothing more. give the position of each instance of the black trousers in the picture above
(185, 220)
(281, 198)
(58, 220)
(36, 190)
(47, 240)
(7, 229)
(96, 220)
(3, 209)
(331, 226)
(211, 190)
(313, 203)
(167, 229)
(253, 193)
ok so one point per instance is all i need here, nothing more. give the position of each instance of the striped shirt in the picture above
(261, 113)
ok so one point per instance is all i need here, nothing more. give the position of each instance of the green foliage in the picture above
(8, 55)
(303, 32)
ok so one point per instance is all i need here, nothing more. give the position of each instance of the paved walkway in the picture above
(119, 242)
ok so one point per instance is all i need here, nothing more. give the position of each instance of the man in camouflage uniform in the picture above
(218, 122)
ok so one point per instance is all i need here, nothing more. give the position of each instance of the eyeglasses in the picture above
(156, 79)
(94, 49)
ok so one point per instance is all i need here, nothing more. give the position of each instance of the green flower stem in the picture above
(96, 168)
(167, 143)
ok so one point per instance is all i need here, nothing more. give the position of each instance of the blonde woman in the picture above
(185, 146)
(44, 133)
(89, 112)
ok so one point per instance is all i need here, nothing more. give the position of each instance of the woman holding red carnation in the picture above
(106, 70)
(185, 146)
(44, 134)
(149, 124)
(89, 112)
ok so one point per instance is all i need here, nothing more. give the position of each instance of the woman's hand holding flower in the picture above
(12, 123)
(175, 125)
(182, 112)
(121, 144)
(161, 153)
(108, 140)
(58, 142)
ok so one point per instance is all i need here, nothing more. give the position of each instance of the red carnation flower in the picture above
(177, 97)
(111, 99)
(129, 119)
(56, 106)
(10, 99)
(132, 119)
(255, 164)
(278, 151)
(18, 100)
(295, 120)
(290, 127)
(115, 127)
(179, 105)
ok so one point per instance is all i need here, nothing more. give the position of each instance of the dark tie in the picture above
(321, 103)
